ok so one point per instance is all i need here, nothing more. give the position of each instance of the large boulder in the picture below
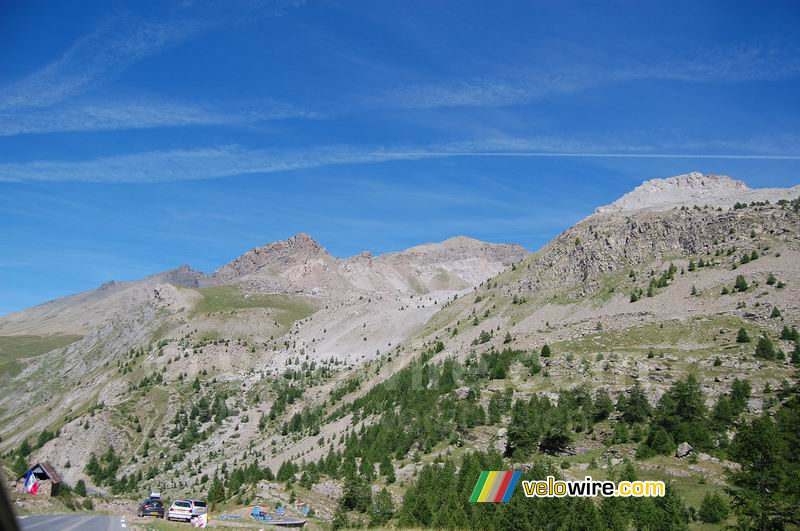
(683, 450)
(462, 393)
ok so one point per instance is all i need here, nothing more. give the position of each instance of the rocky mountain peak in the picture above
(181, 276)
(302, 239)
(694, 188)
(459, 243)
(277, 255)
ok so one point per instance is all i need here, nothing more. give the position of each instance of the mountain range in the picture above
(119, 366)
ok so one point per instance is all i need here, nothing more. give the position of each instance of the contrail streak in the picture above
(422, 154)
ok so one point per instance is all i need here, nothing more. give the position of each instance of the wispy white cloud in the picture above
(144, 113)
(98, 57)
(743, 63)
(485, 91)
(228, 161)
(194, 164)
(746, 62)
(51, 99)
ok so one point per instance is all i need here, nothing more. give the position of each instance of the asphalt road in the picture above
(73, 522)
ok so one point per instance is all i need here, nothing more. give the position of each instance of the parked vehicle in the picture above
(198, 507)
(151, 507)
(180, 510)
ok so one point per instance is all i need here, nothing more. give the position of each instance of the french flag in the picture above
(31, 485)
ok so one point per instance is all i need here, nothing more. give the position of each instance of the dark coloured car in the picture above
(151, 507)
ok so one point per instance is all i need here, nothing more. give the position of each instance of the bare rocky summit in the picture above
(694, 188)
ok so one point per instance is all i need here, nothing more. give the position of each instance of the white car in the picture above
(180, 510)
(198, 507)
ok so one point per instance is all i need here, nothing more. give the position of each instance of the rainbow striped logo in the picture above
(495, 486)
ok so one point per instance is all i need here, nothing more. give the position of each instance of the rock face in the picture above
(301, 265)
(683, 450)
(454, 264)
(615, 240)
(272, 258)
(501, 441)
(694, 189)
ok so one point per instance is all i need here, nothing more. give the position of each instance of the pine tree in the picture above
(20, 465)
(216, 492)
(545, 351)
(387, 470)
(603, 406)
(789, 334)
(356, 494)
(382, 508)
(340, 519)
(742, 336)
(761, 491)
(24, 448)
(634, 407)
(713, 509)
(741, 283)
(765, 349)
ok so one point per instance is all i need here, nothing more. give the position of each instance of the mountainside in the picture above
(316, 366)
(359, 305)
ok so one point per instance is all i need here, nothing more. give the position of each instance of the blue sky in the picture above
(138, 136)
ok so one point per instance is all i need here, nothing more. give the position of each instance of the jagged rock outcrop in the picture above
(271, 259)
